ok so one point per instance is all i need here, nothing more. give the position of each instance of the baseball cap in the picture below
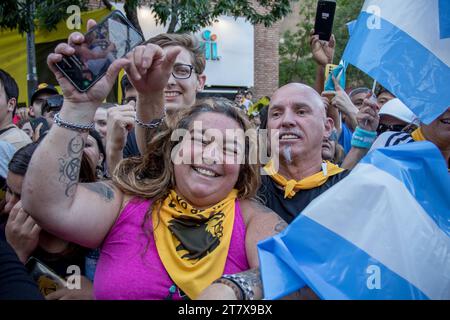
(43, 88)
(397, 109)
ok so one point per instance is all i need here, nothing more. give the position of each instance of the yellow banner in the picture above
(13, 47)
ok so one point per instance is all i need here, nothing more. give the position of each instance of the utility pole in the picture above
(31, 52)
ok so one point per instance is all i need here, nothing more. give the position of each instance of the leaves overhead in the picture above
(192, 15)
(47, 13)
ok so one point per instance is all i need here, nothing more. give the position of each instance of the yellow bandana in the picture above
(291, 187)
(417, 135)
(193, 244)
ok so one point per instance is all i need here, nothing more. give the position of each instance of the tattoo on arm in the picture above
(69, 166)
(105, 191)
(253, 278)
(281, 224)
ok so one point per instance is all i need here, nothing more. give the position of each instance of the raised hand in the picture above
(98, 92)
(150, 68)
(344, 104)
(368, 117)
(120, 122)
(322, 51)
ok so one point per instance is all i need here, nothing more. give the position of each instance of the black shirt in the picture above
(288, 209)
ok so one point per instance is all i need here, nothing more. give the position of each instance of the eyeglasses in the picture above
(182, 71)
(393, 127)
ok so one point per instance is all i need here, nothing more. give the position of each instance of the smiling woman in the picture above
(167, 231)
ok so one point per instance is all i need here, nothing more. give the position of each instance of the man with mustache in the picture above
(298, 113)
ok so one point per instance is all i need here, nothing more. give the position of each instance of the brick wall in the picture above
(266, 60)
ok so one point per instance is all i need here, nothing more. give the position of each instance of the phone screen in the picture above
(323, 25)
(47, 279)
(109, 40)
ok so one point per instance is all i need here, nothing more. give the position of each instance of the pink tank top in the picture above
(130, 268)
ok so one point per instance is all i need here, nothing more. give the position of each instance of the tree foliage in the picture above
(296, 63)
(16, 14)
(192, 15)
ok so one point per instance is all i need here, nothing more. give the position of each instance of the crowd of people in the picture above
(95, 185)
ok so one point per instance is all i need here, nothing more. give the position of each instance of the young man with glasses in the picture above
(157, 93)
(160, 93)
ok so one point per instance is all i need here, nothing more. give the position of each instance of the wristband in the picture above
(362, 138)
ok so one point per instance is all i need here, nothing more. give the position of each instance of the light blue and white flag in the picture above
(405, 46)
(383, 232)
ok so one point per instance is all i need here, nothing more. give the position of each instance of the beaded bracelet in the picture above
(363, 139)
(151, 125)
(72, 126)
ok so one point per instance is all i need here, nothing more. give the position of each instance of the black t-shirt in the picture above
(288, 209)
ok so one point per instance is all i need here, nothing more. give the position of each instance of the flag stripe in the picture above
(278, 277)
(417, 18)
(428, 180)
(346, 275)
(402, 65)
(397, 231)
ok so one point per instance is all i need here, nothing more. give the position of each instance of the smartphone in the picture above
(323, 25)
(47, 279)
(109, 40)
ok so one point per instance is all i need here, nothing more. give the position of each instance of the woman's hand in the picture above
(22, 232)
(98, 92)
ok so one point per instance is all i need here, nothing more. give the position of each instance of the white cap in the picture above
(397, 109)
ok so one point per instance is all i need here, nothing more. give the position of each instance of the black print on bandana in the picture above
(194, 236)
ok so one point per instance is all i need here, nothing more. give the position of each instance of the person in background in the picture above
(298, 113)
(28, 239)
(7, 150)
(358, 95)
(383, 95)
(396, 116)
(100, 119)
(9, 93)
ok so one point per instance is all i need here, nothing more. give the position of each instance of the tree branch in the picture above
(173, 17)
(131, 12)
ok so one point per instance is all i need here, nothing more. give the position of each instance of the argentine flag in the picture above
(383, 232)
(405, 46)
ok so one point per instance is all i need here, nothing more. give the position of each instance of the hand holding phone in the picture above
(88, 99)
(106, 42)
